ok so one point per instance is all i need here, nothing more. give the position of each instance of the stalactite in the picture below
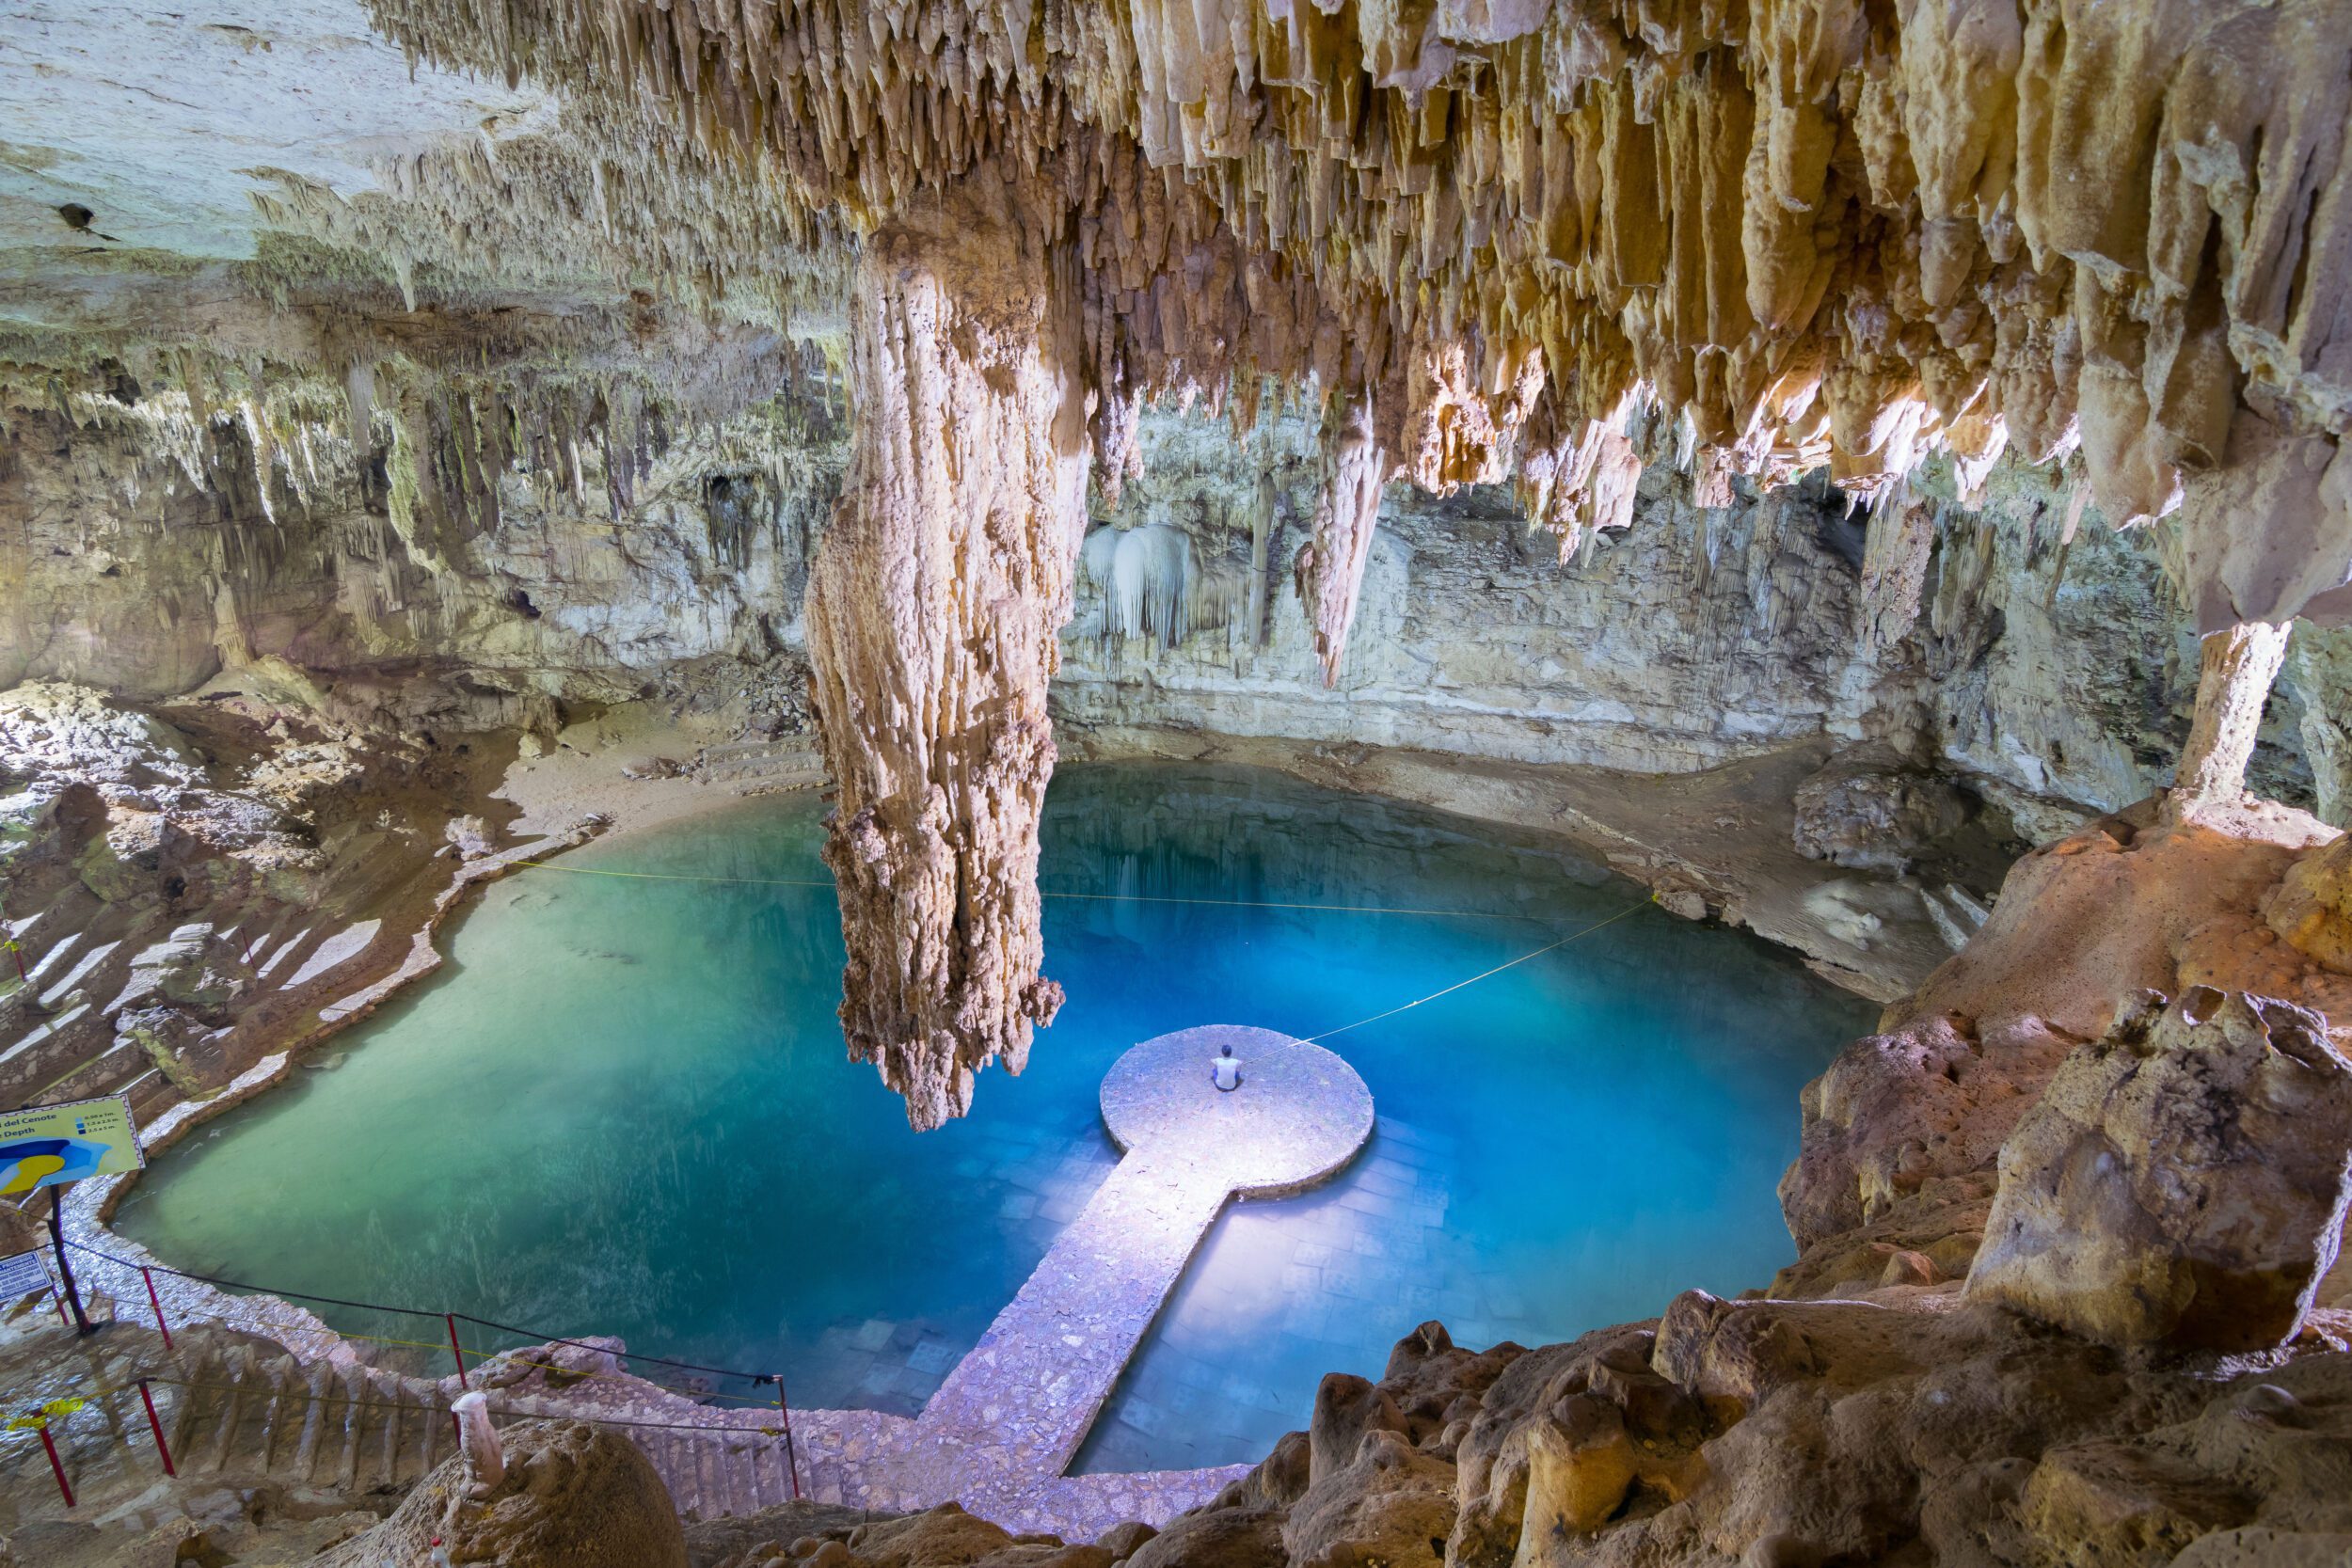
(1263, 504)
(1330, 565)
(932, 607)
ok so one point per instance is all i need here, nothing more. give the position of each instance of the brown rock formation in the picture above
(1903, 1131)
(932, 609)
(2311, 907)
(2181, 1183)
(573, 1496)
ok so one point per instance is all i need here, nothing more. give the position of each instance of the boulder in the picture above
(942, 1535)
(1866, 812)
(194, 1057)
(1215, 1538)
(2311, 907)
(1122, 1541)
(1275, 1482)
(573, 1496)
(1437, 1383)
(2181, 1183)
(1390, 1505)
(1935, 1098)
(2121, 1502)
(2258, 1547)
(1580, 1465)
(1346, 1407)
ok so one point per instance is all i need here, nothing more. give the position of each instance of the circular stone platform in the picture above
(1301, 1111)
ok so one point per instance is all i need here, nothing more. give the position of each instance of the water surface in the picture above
(623, 1108)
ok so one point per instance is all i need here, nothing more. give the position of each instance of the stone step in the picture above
(281, 1411)
(252, 1413)
(318, 1381)
(351, 1428)
(221, 1431)
(200, 1370)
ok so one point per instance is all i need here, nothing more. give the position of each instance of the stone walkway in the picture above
(1010, 1418)
(1015, 1410)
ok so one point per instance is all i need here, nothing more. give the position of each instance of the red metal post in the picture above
(56, 1299)
(56, 1463)
(156, 1302)
(451, 1319)
(156, 1427)
(791, 1457)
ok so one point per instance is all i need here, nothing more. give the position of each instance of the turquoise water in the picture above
(623, 1108)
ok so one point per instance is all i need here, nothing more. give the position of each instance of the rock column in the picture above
(932, 607)
(2235, 668)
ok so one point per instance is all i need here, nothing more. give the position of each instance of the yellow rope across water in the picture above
(1457, 985)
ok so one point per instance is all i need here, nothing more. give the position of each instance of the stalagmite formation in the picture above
(1330, 565)
(2236, 667)
(932, 609)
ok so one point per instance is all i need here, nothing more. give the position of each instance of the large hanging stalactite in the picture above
(1330, 564)
(932, 607)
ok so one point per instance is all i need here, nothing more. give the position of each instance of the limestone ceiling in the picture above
(163, 123)
(1811, 231)
(1819, 231)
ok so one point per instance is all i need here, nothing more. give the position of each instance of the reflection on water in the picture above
(623, 1109)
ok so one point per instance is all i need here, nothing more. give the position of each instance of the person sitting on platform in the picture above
(1225, 1069)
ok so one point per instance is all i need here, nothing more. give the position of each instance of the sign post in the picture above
(48, 1145)
(65, 1265)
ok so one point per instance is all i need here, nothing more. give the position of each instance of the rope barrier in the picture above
(1313, 1039)
(530, 1334)
(83, 1401)
(309, 1398)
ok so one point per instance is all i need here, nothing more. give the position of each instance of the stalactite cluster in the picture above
(1809, 230)
(456, 402)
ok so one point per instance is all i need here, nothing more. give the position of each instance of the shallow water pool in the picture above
(623, 1108)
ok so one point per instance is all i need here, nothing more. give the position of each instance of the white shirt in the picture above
(1227, 1071)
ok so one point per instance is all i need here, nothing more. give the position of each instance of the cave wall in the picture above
(144, 552)
(2052, 675)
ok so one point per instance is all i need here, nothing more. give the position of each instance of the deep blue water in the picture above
(623, 1108)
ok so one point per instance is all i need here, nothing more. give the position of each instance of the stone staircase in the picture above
(240, 1410)
(244, 1411)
